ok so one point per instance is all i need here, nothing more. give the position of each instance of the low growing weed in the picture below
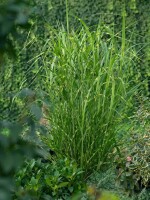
(59, 179)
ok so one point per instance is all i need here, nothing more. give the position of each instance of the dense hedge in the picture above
(24, 73)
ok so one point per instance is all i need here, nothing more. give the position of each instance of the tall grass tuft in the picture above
(87, 83)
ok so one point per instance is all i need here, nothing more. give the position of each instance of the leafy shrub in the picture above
(13, 149)
(18, 141)
(134, 165)
(134, 170)
(58, 179)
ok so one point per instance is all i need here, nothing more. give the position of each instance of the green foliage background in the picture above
(27, 70)
(110, 12)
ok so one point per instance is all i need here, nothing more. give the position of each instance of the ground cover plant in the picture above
(58, 179)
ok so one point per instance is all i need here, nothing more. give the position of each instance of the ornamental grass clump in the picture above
(86, 80)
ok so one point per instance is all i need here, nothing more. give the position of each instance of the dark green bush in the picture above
(57, 179)
(13, 148)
